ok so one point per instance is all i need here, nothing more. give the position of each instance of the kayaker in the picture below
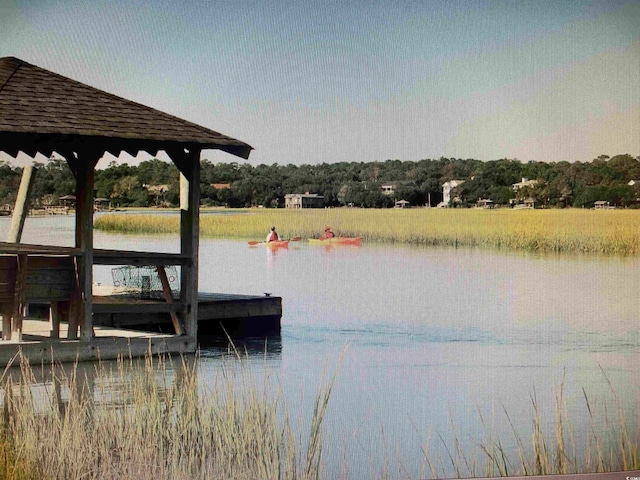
(273, 235)
(327, 234)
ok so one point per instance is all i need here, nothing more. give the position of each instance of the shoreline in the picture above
(593, 232)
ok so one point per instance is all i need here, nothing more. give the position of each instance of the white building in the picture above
(524, 183)
(303, 200)
(446, 191)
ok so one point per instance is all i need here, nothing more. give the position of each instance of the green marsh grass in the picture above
(614, 232)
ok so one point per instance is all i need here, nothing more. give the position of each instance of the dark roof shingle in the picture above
(35, 101)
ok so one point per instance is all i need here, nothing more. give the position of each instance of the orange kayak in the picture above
(336, 241)
(274, 244)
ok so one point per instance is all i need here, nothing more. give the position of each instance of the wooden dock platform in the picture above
(219, 314)
(129, 329)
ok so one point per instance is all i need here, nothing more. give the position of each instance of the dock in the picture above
(219, 314)
(45, 113)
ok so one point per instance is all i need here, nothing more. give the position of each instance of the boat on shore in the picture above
(336, 241)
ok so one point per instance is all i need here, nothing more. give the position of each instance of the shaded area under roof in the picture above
(43, 112)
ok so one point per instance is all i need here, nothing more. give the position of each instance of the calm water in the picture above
(433, 337)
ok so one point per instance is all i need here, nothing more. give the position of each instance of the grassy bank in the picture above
(142, 421)
(571, 230)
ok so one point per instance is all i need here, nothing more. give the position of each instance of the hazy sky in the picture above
(325, 81)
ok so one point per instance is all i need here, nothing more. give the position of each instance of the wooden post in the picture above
(54, 320)
(6, 310)
(18, 302)
(22, 205)
(189, 165)
(83, 167)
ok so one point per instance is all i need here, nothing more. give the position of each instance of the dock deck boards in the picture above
(219, 314)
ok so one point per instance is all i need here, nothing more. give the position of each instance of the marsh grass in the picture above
(152, 428)
(157, 420)
(571, 230)
(554, 450)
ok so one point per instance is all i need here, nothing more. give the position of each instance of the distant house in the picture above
(68, 201)
(303, 200)
(402, 204)
(389, 188)
(485, 203)
(101, 203)
(602, 205)
(527, 203)
(524, 183)
(446, 191)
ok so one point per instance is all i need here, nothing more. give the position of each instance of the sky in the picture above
(307, 82)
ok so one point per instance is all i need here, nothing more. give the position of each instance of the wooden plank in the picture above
(100, 348)
(5, 312)
(18, 302)
(75, 305)
(261, 306)
(140, 308)
(15, 249)
(101, 256)
(121, 257)
(168, 296)
(54, 319)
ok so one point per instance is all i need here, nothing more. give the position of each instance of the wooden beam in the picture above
(100, 348)
(22, 205)
(168, 297)
(188, 162)
(84, 164)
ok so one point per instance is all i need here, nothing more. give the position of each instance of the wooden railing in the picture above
(48, 274)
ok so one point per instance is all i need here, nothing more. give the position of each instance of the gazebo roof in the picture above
(41, 111)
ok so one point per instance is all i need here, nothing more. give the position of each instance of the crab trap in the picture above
(144, 281)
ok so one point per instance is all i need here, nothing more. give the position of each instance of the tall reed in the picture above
(156, 419)
(609, 446)
(571, 230)
(149, 427)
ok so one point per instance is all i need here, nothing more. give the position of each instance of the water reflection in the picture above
(265, 347)
(113, 383)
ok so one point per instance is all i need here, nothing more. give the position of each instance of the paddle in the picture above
(294, 239)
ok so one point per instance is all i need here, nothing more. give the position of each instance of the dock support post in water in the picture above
(83, 165)
(188, 162)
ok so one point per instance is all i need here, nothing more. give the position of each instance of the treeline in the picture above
(156, 183)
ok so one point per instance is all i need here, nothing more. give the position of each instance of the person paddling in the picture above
(273, 235)
(327, 234)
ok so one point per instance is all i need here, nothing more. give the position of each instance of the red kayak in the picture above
(337, 241)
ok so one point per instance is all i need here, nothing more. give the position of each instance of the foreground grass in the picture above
(156, 430)
(570, 230)
(143, 426)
